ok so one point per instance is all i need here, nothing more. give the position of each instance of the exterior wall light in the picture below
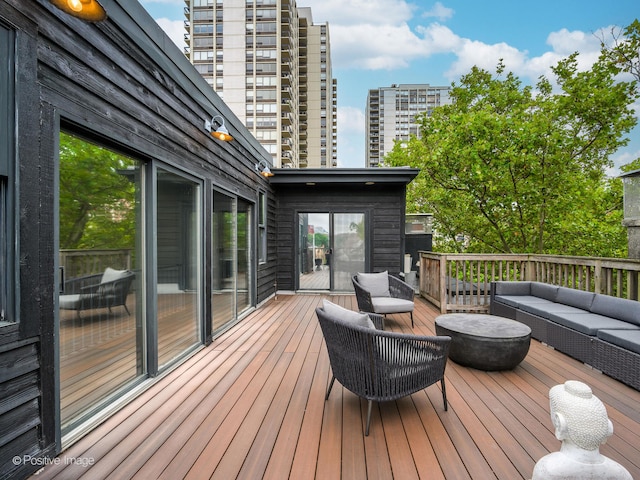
(263, 169)
(89, 10)
(221, 133)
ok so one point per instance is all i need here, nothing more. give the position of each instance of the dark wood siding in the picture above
(383, 204)
(121, 83)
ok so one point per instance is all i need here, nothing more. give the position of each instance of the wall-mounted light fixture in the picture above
(89, 10)
(262, 167)
(221, 133)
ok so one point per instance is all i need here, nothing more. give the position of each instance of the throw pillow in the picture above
(377, 284)
(349, 316)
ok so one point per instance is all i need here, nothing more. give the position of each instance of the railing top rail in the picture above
(626, 263)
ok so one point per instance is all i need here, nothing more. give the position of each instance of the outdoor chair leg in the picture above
(330, 387)
(366, 432)
(444, 395)
(411, 319)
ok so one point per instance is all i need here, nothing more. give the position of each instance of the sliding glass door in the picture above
(232, 245)
(111, 335)
(331, 248)
(102, 333)
(179, 265)
(348, 248)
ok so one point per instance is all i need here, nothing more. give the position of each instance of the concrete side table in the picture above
(485, 342)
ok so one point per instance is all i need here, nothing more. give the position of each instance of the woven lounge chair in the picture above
(377, 365)
(383, 294)
(105, 290)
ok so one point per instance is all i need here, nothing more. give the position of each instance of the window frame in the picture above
(9, 228)
(261, 219)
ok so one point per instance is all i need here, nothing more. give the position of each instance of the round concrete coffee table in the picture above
(485, 342)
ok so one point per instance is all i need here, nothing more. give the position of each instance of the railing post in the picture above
(443, 287)
(597, 280)
(529, 273)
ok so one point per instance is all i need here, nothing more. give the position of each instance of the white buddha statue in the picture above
(582, 425)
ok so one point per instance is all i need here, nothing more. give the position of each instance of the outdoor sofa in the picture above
(597, 329)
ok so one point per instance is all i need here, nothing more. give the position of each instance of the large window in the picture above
(178, 243)
(232, 252)
(131, 300)
(7, 227)
(262, 227)
(102, 333)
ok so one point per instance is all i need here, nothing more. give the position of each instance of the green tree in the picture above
(623, 52)
(97, 201)
(513, 169)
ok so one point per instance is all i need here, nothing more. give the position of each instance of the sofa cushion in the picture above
(384, 305)
(589, 323)
(575, 298)
(544, 290)
(512, 288)
(343, 315)
(69, 302)
(628, 339)
(377, 284)
(517, 300)
(620, 308)
(544, 309)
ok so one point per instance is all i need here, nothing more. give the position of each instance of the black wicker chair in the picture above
(104, 290)
(382, 366)
(399, 300)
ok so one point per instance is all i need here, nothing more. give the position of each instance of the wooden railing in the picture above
(77, 263)
(461, 282)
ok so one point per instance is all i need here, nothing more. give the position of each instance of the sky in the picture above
(376, 43)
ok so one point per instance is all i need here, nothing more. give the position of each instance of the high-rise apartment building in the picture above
(272, 66)
(391, 113)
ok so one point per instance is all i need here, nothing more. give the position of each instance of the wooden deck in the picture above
(251, 405)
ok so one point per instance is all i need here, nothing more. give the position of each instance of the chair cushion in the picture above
(512, 288)
(620, 308)
(589, 323)
(575, 298)
(517, 300)
(384, 305)
(377, 284)
(341, 314)
(68, 302)
(627, 339)
(110, 275)
(544, 309)
(544, 290)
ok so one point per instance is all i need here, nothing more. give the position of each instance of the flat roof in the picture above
(327, 176)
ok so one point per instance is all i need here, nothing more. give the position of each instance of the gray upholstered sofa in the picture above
(599, 330)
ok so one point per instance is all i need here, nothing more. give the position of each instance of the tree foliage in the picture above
(97, 201)
(510, 168)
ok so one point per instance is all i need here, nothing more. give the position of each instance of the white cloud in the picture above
(395, 46)
(484, 56)
(174, 29)
(621, 158)
(359, 12)
(439, 11)
(376, 35)
(351, 119)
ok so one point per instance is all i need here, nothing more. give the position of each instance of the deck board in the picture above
(251, 405)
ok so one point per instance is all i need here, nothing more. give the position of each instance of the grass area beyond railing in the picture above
(461, 282)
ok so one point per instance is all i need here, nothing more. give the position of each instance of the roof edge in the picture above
(367, 176)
